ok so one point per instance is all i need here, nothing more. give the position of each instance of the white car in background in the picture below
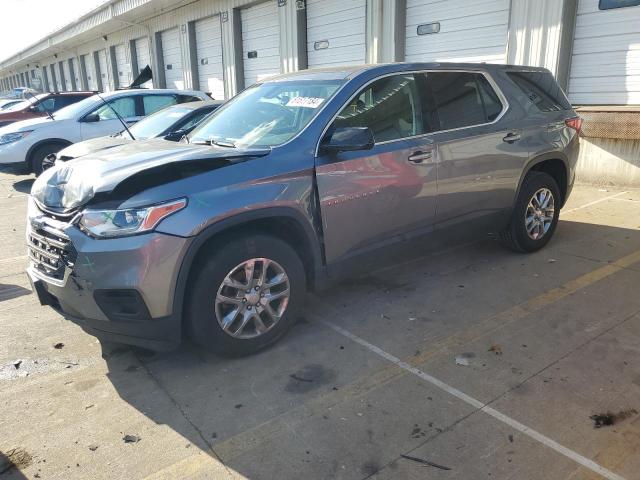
(28, 142)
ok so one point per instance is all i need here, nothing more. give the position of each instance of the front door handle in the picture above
(511, 137)
(419, 157)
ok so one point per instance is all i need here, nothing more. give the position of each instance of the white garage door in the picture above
(50, 78)
(76, 73)
(469, 31)
(104, 70)
(90, 68)
(68, 85)
(172, 57)
(336, 32)
(58, 73)
(209, 56)
(123, 66)
(143, 57)
(260, 41)
(605, 61)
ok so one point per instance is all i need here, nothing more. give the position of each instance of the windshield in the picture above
(25, 103)
(72, 111)
(266, 115)
(155, 124)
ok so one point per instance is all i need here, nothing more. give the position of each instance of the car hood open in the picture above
(128, 169)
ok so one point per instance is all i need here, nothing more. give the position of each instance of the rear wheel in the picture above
(243, 294)
(38, 156)
(535, 215)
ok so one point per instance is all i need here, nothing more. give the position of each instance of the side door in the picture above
(103, 121)
(371, 196)
(480, 152)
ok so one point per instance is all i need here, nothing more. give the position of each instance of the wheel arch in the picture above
(286, 223)
(555, 164)
(47, 141)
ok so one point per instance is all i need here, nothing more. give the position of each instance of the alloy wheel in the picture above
(252, 298)
(539, 214)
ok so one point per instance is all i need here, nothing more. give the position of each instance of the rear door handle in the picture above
(511, 137)
(419, 157)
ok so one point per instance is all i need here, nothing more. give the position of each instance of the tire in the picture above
(207, 308)
(516, 236)
(40, 153)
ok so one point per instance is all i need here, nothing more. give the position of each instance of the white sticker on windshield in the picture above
(306, 102)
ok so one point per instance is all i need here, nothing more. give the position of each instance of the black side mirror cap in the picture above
(349, 139)
(92, 117)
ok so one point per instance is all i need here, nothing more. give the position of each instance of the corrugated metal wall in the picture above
(605, 65)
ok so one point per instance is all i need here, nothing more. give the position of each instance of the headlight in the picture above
(130, 221)
(13, 137)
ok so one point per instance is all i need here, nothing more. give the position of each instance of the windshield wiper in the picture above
(217, 143)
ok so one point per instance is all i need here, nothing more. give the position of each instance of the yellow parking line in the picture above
(286, 422)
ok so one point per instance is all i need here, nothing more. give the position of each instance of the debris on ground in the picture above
(131, 438)
(425, 462)
(58, 345)
(15, 458)
(552, 260)
(608, 419)
(17, 363)
(93, 447)
(495, 349)
(463, 359)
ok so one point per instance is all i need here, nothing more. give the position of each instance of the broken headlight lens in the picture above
(13, 137)
(129, 221)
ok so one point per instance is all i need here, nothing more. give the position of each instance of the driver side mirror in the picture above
(92, 117)
(349, 139)
(175, 136)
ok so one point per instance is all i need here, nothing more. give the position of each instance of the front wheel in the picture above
(244, 293)
(535, 214)
(38, 157)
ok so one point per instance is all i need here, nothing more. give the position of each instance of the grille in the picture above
(51, 252)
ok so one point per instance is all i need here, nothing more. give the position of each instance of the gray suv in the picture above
(218, 237)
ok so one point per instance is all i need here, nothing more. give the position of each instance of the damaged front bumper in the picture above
(120, 289)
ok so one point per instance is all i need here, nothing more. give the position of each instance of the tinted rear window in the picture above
(542, 90)
(463, 99)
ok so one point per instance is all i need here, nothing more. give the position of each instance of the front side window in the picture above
(47, 105)
(125, 106)
(153, 103)
(390, 107)
(463, 99)
(541, 90)
(266, 115)
(155, 124)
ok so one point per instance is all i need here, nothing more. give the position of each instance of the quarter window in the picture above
(463, 99)
(390, 107)
(541, 90)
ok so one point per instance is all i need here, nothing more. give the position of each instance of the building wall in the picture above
(521, 31)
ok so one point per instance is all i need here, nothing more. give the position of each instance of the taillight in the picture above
(575, 123)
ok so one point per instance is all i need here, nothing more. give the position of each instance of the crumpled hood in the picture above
(69, 185)
(81, 149)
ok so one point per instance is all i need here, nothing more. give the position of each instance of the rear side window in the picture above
(541, 90)
(188, 98)
(390, 107)
(463, 99)
(153, 103)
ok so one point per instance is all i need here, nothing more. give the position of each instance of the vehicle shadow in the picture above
(8, 291)
(220, 399)
(24, 186)
(12, 462)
